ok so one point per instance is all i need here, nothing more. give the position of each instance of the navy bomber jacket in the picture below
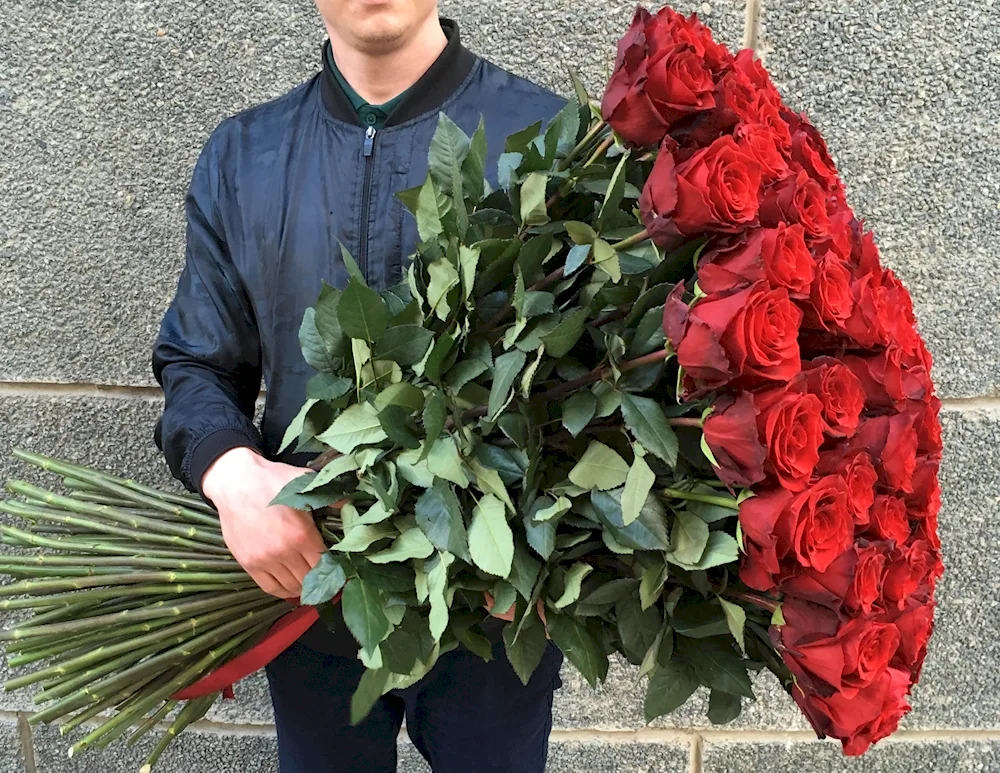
(274, 194)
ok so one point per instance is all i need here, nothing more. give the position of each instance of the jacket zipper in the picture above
(366, 199)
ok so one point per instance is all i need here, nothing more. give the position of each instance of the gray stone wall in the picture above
(104, 106)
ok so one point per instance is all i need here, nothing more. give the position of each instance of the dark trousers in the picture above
(465, 715)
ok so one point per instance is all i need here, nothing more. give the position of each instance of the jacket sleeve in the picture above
(207, 354)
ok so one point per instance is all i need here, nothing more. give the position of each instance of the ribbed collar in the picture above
(433, 88)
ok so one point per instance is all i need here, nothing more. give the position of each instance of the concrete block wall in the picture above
(104, 106)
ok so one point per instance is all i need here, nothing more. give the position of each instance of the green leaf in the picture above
(323, 343)
(388, 578)
(403, 394)
(468, 261)
(572, 584)
(434, 417)
(580, 233)
(443, 279)
(647, 532)
(600, 468)
(637, 627)
(448, 150)
(432, 207)
(560, 136)
(581, 91)
(404, 344)
(293, 494)
(578, 411)
(504, 597)
(489, 481)
(689, 538)
(439, 515)
(736, 617)
(650, 658)
(394, 423)
(523, 570)
(408, 545)
(362, 606)
(606, 596)
(325, 386)
(464, 372)
(438, 357)
(669, 688)
(367, 693)
(541, 536)
(649, 334)
(525, 645)
(777, 617)
(638, 484)
(533, 210)
(444, 461)
(579, 646)
(719, 666)
(361, 537)
(505, 372)
(565, 335)
(476, 643)
(437, 586)
(356, 426)
(296, 426)
(645, 419)
(713, 513)
(576, 257)
(616, 192)
(353, 269)
(491, 542)
(362, 312)
(474, 166)
(606, 259)
(722, 549)
(400, 651)
(700, 620)
(519, 141)
(651, 585)
(723, 707)
(324, 581)
(556, 509)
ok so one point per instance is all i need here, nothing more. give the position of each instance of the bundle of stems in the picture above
(132, 595)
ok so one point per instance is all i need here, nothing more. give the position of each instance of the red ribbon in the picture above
(279, 637)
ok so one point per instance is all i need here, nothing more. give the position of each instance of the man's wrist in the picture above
(231, 463)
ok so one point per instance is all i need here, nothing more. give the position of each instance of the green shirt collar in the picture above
(374, 116)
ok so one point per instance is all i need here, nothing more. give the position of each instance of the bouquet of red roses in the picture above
(655, 396)
(823, 402)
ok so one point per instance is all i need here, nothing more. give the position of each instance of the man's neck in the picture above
(379, 77)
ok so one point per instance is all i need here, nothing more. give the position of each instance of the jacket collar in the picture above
(435, 86)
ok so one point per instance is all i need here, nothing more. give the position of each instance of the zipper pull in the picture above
(369, 141)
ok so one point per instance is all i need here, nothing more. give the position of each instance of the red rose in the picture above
(853, 580)
(798, 199)
(912, 571)
(809, 151)
(831, 297)
(787, 261)
(716, 189)
(871, 323)
(925, 499)
(660, 77)
(857, 469)
(862, 719)
(890, 378)
(747, 63)
(869, 575)
(731, 433)
(778, 255)
(927, 426)
(915, 624)
(889, 520)
(840, 238)
(864, 252)
(840, 392)
(822, 521)
(847, 662)
(760, 143)
(759, 515)
(791, 424)
(892, 443)
(751, 333)
(669, 28)
(902, 322)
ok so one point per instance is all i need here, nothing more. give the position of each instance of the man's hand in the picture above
(277, 546)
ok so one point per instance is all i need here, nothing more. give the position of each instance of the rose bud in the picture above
(911, 572)
(810, 152)
(760, 143)
(915, 624)
(731, 434)
(798, 199)
(669, 28)
(839, 390)
(791, 425)
(889, 521)
(759, 567)
(925, 500)
(778, 255)
(831, 298)
(857, 469)
(891, 441)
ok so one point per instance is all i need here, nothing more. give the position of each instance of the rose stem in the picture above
(707, 499)
(585, 143)
(686, 422)
(633, 240)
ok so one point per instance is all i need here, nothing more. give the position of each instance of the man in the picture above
(274, 194)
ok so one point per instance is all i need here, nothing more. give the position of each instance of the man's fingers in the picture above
(266, 582)
(299, 566)
(291, 587)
